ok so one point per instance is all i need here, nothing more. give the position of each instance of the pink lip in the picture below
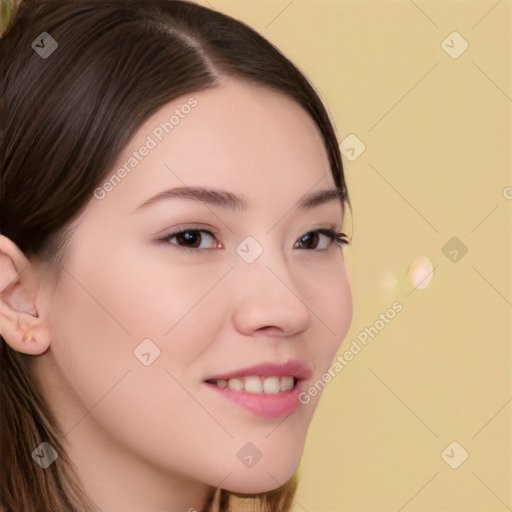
(294, 368)
(262, 404)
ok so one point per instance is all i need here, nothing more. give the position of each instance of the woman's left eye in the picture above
(192, 239)
(314, 236)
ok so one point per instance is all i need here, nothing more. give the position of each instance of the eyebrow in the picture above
(225, 199)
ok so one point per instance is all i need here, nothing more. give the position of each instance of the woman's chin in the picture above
(253, 481)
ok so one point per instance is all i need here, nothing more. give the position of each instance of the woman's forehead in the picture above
(232, 136)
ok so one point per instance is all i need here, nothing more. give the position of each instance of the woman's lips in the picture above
(268, 391)
(265, 405)
(295, 368)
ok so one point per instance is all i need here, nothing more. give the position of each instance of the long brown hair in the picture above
(65, 120)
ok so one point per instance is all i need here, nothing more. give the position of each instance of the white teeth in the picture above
(256, 384)
(287, 383)
(253, 385)
(235, 384)
(271, 385)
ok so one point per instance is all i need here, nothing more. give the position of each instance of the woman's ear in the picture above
(20, 323)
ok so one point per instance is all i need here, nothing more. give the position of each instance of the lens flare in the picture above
(421, 272)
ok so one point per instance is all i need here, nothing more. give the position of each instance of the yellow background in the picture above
(436, 164)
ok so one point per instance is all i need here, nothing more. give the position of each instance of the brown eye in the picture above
(312, 239)
(309, 239)
(190, 238)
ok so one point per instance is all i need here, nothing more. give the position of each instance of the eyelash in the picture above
(339, 239)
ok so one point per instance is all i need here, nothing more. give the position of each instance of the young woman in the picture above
(172, 281)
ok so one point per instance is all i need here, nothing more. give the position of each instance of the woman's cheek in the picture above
(331, 301)
(160, 287)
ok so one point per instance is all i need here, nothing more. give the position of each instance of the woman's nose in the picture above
(268, 298)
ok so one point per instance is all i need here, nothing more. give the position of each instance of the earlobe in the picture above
(20, 324)
(33, 341)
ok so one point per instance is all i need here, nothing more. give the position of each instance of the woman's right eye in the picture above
(190, 239)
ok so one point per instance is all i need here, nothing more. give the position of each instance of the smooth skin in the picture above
(155, 438)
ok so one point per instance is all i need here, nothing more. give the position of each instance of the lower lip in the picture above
(261, 404)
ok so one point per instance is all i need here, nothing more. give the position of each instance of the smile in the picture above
(268, 390)
(256, 384)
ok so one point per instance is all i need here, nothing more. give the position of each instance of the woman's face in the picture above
(140, 319)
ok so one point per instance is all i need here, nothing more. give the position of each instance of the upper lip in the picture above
(293, 368)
